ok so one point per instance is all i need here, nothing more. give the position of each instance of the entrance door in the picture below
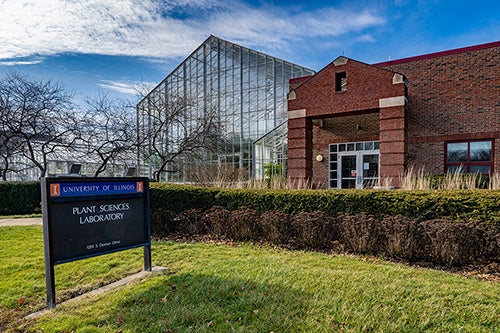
(359, 170)
(348, 171)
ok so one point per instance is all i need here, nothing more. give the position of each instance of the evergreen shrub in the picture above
(466, 205)
(20, 198)
(450, 228)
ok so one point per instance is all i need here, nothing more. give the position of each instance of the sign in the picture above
(86, 217)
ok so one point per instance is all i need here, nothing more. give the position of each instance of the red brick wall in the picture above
(357, 105)
(451, 97)
(365, 86)
(299, 164)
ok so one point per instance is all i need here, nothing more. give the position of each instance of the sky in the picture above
(112, 47)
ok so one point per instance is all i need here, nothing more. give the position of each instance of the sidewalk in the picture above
(21, 221)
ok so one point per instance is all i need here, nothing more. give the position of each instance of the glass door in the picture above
(370, 170)
(348, 171)
(359, 170)
(354, 164)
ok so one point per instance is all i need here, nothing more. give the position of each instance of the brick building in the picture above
(359, 125)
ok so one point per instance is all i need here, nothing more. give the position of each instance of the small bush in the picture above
(404, 238)
(216, 220)
(361, 233)
(276, 227)
(491, 235)
(453, 243)
(191, 222)
(162, 223)
(244, 224)
(316, 230)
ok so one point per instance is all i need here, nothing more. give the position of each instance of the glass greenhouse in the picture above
(220, 115)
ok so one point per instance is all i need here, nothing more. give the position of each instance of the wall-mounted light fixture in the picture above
(319, 158)
(318, 122)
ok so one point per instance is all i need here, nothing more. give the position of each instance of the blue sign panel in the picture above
(80, 189)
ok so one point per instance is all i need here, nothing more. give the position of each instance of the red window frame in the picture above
(467, 164)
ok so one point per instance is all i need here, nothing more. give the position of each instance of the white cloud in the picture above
(366, 38)
(159, 28)
(128, 88)
(19, 63)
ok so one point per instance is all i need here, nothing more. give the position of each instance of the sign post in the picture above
(87, 217)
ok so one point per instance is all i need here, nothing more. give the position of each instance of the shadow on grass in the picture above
(190, 303)
(187, 302)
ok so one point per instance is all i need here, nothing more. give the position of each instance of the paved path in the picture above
(21, 221)
(104, 289)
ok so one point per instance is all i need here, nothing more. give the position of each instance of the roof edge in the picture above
(438, 54)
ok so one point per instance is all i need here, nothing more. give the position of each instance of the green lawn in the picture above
(244, 288)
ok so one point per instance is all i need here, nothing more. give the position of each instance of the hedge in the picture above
(20, 198)
(465, 205)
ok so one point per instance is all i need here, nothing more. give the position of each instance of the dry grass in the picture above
(419, 180)
(495, 181)
(412, 179)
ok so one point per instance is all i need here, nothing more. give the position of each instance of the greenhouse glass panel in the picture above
(221, 100)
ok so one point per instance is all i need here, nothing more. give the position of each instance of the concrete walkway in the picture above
(21, 221)
(104, 289)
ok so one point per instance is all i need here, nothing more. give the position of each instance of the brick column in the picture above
(299, 167)
(392, 140)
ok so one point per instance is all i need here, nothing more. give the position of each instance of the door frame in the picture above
(335, 162)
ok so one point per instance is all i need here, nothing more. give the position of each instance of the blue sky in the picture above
(111, 46)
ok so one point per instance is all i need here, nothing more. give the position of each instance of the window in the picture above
(470, 157)
(340, 81)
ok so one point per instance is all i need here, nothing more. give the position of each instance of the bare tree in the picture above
(39, 115)
(174, 128)
(109, 132)
(9, 147)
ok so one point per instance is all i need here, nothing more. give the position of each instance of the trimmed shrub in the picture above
(178, 198)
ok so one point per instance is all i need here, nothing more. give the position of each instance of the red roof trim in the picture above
(439, 54)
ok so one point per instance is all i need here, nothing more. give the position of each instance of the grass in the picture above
(242, 288)
(418, 180)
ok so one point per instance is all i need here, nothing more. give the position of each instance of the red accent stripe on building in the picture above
(439, 54)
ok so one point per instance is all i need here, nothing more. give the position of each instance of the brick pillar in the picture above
(299, 167)
(392, 140)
